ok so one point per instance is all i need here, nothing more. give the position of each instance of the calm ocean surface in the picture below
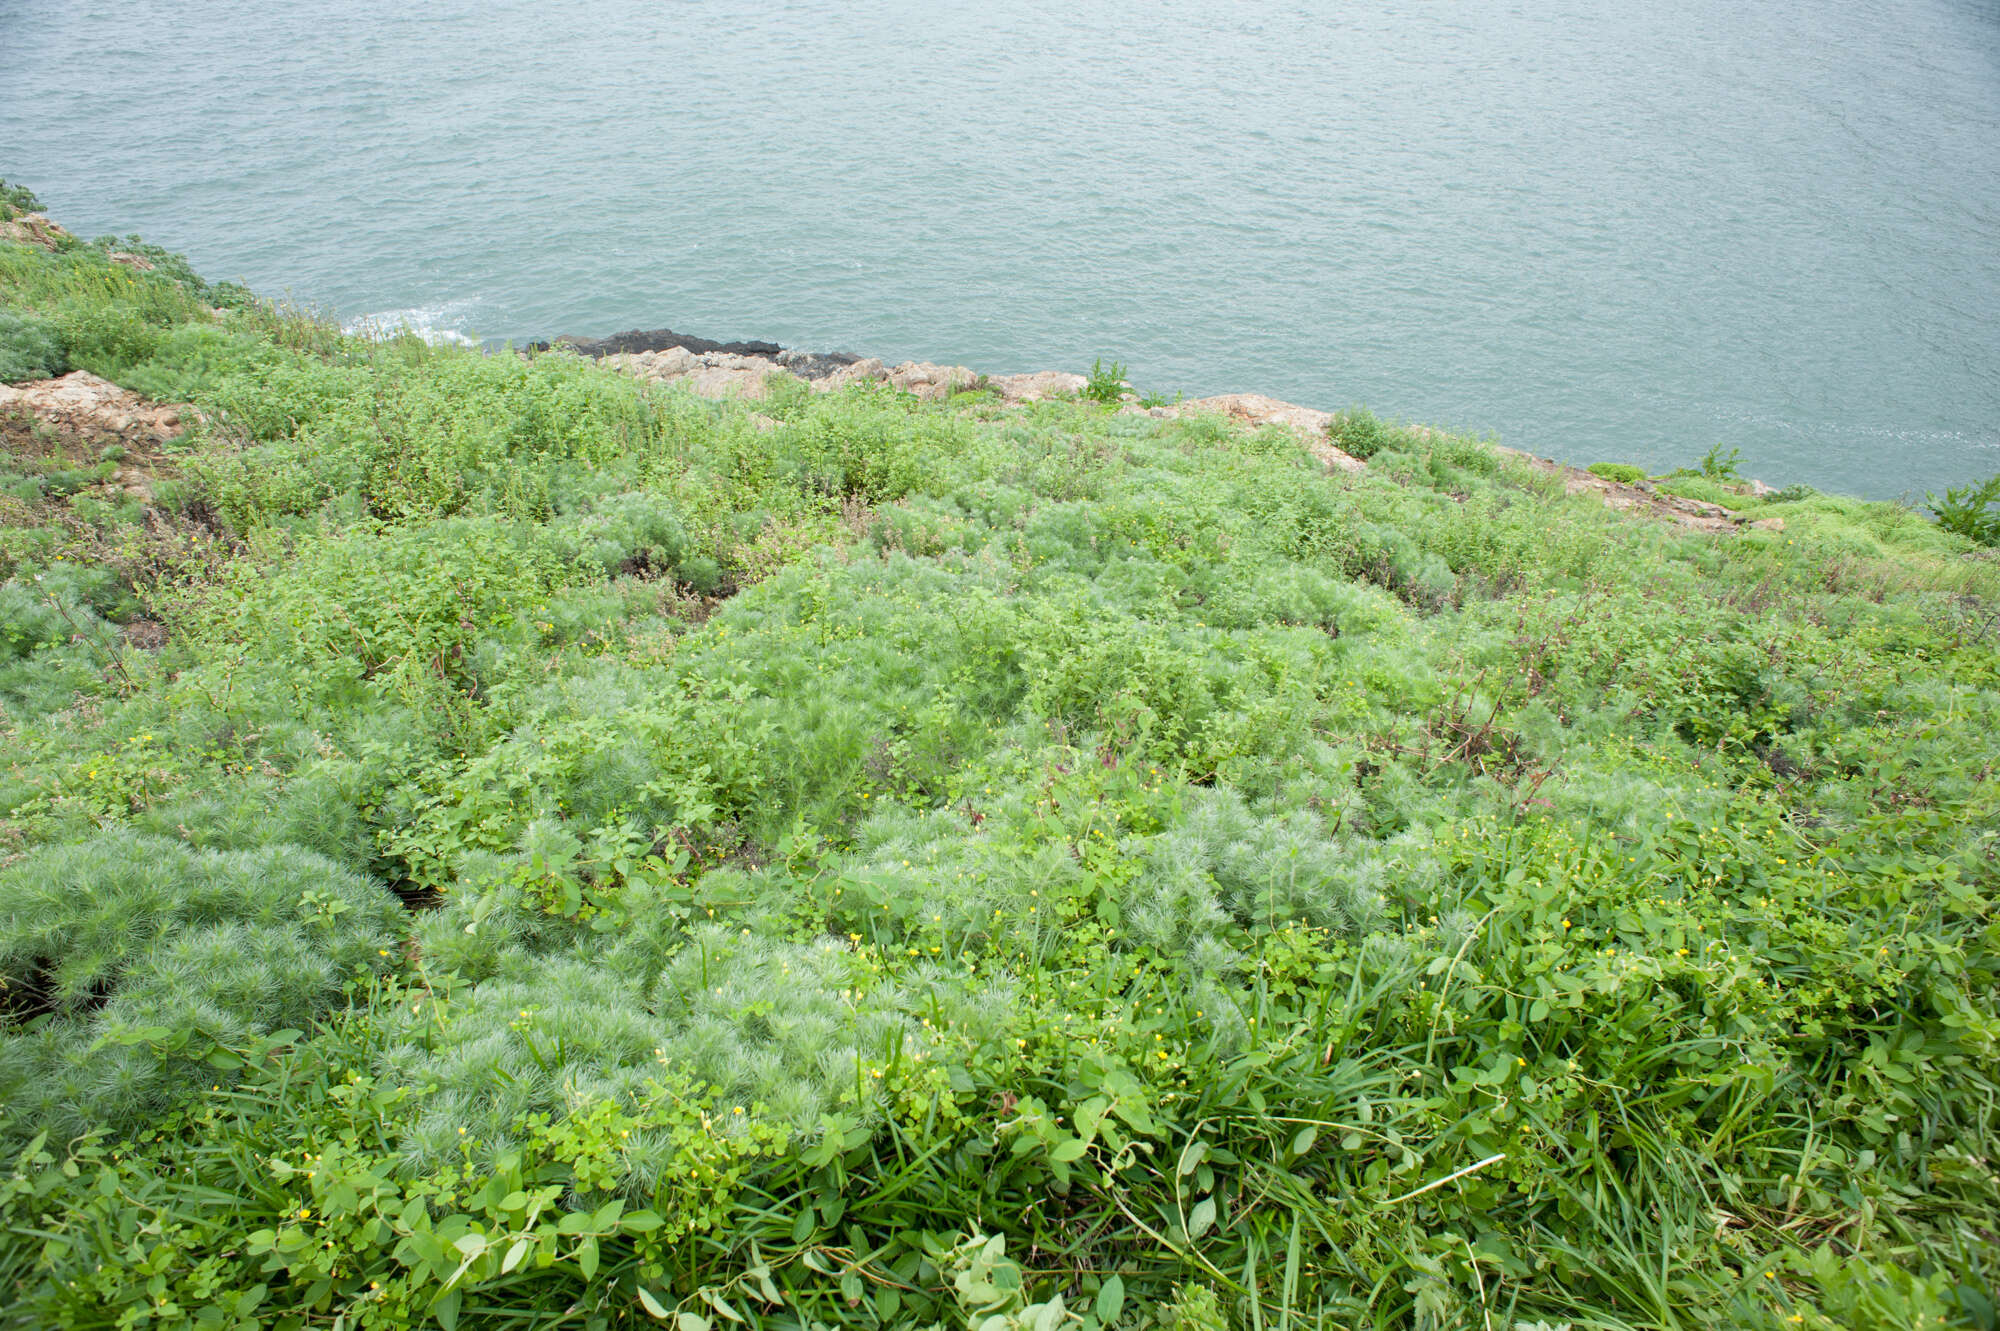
(1615, 230)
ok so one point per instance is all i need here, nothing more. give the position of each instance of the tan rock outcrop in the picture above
(34, 229)
(81, 404)
(721, 375)
(866, 370)
(655, 365)
(925, 380)
(1256, 411)
(1035, 387)
(714, 374)
(1640, 498)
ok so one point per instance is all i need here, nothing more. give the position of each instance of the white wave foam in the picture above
(432, 323)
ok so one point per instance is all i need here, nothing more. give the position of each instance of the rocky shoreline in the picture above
(715, 369)
(743, 370)
(82, 404)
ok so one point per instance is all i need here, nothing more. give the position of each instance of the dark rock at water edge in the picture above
(657, 339)
(816, 364)
(640, 341)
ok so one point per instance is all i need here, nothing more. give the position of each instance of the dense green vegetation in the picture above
(1970, 510)
(490, 844)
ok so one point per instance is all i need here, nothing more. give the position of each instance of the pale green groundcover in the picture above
(580, 858)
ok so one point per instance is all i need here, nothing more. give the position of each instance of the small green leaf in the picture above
(720, 1304)
(515, 1253)
(1201, 1217)
(1111, 1299)
(685, 1322)
(1069, 1148)
(654, 1308)
(1089, 1115)
(432, 1252)
(470, 1244)
(641, 1222)
(586, 1256)
(1304, 1141)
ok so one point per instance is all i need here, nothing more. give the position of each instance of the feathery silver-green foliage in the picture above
(129, 958)
(904, 863)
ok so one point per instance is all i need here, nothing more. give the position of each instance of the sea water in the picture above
(1615, 230)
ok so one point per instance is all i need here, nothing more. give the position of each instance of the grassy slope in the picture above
(921, 861)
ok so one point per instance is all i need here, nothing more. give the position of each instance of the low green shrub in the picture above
(1970, 510)
(127, 961)
(15, 200)
(29, 349)
(1624, 473)
(397, 603)
(925, 864)
(1106, 383)
(1358, 433)
(1717, 465)
(109, 340)
(630, 533)
(175, 268)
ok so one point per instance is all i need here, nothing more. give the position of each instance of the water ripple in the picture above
(1607, 230)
